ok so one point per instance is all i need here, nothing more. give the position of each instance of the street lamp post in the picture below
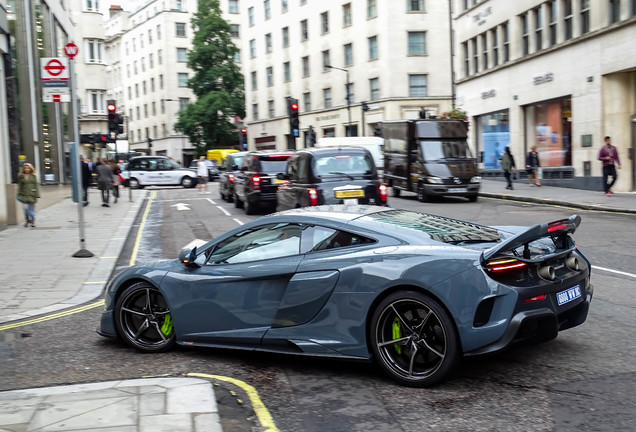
(347, 87)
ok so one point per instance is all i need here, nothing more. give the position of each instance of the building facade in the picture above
(333, 56)
(559, 75)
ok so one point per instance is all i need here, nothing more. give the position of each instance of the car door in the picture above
(285, 195)
(234, 295)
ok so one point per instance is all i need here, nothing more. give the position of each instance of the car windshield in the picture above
(441, 150)
(440, 228)
(348, 165)
(274, 164)
(171, 163)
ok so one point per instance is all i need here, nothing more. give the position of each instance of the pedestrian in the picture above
(28, 193)
(116, 179)
(609, 156)
(86, 179)
(91, 170)
(104, 180)
(533, 167)
(202, 173)
(508, 166)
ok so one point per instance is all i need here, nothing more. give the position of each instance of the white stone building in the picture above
(557, 74)
(393, 55)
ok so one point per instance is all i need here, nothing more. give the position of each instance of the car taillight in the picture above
(535, 298)
(499, 265)
(383, 193)
(231, 178)
(256, 181)
(313, 197)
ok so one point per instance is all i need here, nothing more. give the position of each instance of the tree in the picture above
(217, 82)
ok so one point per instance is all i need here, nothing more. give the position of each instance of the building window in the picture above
(268, 43)
(525, 34)
(350, 94)
(270, 76)
(152, 84)
(614, 11)
(348, 54)
(159, 32)
(538, 29)
(346, 15)
(142, 62)
(183, 104)
(235, 30)
(373, 48)
(268, 11)
(484, 50)
(495, 47)
(466, 58)
(138, 110)
(270, 109)
(304, 31)
(552, 11)
(92, 5)
(250, 16)
(182, 78)
(287, 71)
(161, 82)
(506, 42)
(415, 5)
(326, 60)
(180, 29)
(253, 48)
(128, 71)
(372, 9)
(324, 22)
(567, 12)
(254, 81)
(475, 56)
(234, 8)
(305, 62)
(145, 110)
(151, 60)
(96, 102)
(182, 55)
(285, 37)
(93, 51)
(143, 87)
(179, 6)
(326, 97)
(237, 56)
(255, 111)
(417, 85)
(284, 6)
(585, 16)
(129, 92)
(159, 57)
(307, 101)
(374, 88)
(149, 36)
(417, 43)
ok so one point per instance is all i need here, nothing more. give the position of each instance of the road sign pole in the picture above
(82, 252)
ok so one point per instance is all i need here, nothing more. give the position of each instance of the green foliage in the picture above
(456, 114)
(217, 82)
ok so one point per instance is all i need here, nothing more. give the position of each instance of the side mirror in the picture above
(188, 256)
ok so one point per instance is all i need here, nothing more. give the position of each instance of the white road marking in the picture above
(225, 212)
(181, 206)
(614, 271)
(238, 221)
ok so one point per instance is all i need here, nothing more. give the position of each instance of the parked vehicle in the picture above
(375, 145)
(330, 175)
(213, 168)
(227, 174)
(143, 171)
(429, 157)
(413, 291)
(256, 183)
(219, 155)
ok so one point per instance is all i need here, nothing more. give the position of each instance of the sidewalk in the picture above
(50, 279)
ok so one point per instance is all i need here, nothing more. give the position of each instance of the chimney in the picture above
(114, 10)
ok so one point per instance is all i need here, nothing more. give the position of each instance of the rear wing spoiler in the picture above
(557, 230)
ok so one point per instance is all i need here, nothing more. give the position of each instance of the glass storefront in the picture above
(493, 135)
(548, 126)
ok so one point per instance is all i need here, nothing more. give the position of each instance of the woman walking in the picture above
(508, 166)
(28, 193)
(533, 167)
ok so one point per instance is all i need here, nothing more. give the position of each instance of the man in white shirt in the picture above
(202, 173)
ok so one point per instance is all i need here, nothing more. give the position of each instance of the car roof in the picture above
(328, 150)
(148, 157)
(336, 212)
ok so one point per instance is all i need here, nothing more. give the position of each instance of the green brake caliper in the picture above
(166, 327)
(397, 334)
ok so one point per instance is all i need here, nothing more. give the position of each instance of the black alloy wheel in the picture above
(421, 193)
(187, 182)
(413, 339)
(143, 319)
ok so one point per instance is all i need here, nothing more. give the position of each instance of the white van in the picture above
(375, 145)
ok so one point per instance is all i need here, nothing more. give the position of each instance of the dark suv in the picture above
(228, 171)
(331, 175)
(256, 183)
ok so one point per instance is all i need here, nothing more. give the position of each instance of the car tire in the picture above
(421, 194)
(473, 198)
(250, 208)
(413, 339)
(237, 202)
(188, 182)
(395, 192)
(143, 320)
(134, 183)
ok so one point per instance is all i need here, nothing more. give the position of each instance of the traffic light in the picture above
(243, 138)
(120, 124)
(111, 107)
(294, 121)
(311, 136)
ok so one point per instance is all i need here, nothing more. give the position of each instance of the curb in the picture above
(548, 201)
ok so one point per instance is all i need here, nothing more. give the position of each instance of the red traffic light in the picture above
(294, 106)
(243, 130)
(111, 107)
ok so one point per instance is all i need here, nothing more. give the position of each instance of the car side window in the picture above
(323, 238)
(303, 167)
(256, 244)
(292, 168)
(152, 164)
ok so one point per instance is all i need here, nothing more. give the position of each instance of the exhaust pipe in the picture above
(547, 272)
(572, 263)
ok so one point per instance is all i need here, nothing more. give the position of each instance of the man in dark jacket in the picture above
(609, 156)
(86, 180)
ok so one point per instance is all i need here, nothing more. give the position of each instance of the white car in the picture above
(158, 171)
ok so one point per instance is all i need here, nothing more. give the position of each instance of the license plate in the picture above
(458, 190)
(277, 181)
(349, 194)
(568, 295)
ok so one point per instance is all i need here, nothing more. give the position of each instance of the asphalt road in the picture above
(582, 381)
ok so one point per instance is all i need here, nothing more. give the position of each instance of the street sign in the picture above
(55, 76)
(71, 50)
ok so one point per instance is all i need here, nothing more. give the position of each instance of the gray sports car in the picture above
(413, 291)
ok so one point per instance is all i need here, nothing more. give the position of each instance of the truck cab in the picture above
(429, 157)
